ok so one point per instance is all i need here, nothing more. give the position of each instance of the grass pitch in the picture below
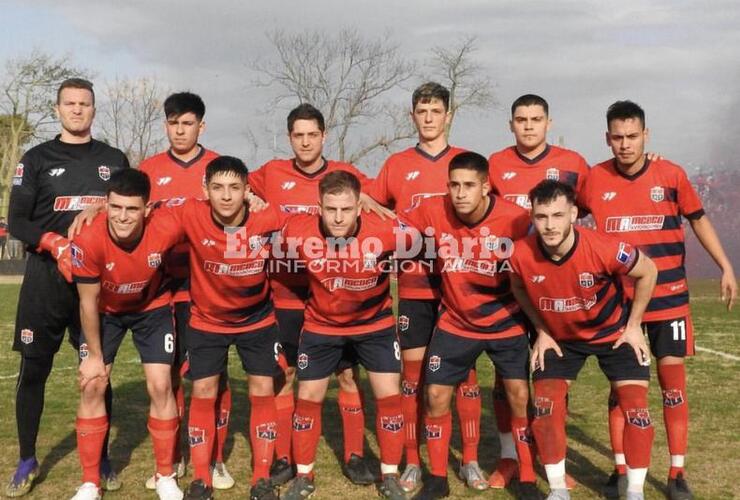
(714, 442)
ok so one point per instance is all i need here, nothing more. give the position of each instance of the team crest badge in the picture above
(403, 322)
(542, 407)
(639, 417)
(470, 390)
(83, 351)
(77, 254)
(392, 424)
(303, 361)
(490, 242)
(657, 193)
(104, 172)
(524, 435)
(154, 259)
(27, 336)
(552, 174)
(267, 431)
(409, 388)
(196, 436)
(433, 431)
(672, 398)
(223, 419)
(369, 261)
(302, 423)
(586, 280)
(434, 363)
(18, 175)
(255, 242)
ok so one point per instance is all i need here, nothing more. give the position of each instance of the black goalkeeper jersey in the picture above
(54, 181)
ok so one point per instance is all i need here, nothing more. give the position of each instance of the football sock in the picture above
(524, 439)
(285, 405)
(109, 412)
(672, 380)
(164, 434)
(223, 410)
(638, 429)
(389, 429)
(306, 434)
(412, 398)
(262, 434)
(353, 422)
(29, 402)
(548, 425)
(90, 436)
(616, 432)
(437, 431)
(201, 431)
(468, 403)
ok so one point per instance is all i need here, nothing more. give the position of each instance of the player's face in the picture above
(554, 221)
(627, 139)
(339, 213)
(226, 191)
(183, 132)
(530, 124)
(126, 216)
(431, 119)
(468, 190)
(76, 110)
(307, 141)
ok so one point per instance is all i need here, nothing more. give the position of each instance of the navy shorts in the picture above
(671, 337)
(617, 364)
(416, 321)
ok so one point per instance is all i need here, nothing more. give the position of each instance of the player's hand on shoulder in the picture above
(83, 219)
(633, 335)
(543, 344)
(368, 204)
(256, 204)
(653, 156)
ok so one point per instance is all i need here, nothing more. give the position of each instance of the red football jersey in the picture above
(513, 175)
(283, 185)
(407, 178)
(473, 263)
(228, 276)
(645, 209)
(349, 284)
(172, 178)
(130, 280)
(579, 297)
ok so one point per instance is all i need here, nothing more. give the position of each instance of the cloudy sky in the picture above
(679, 59)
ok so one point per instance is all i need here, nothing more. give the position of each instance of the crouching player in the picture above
(473, 232)
(347, 260)
(569, 282)
(116, 263)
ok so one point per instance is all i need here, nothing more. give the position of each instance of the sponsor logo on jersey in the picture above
(537, 278)
(18, 175)
(74, 203)
(302, 361)
(625, 253)
(207, 243)
(110, 265)
(163, 181)
(393, 423)
(608, 196)
(78, 256)
(626, 223)
(104, 172)
(196, 436)
(351, 284)
(56, 172)
(433, 431)
(403, 322)
(542, 407)
(524, 435)
(125, 288)
(507, 176)
(586, 280)
(657, 193)
(27, 336)
(552, 174)
(412, 175)
(302, 423)
(83, 351)
(352, 409)
(267, 431)
(567, 305)
(287, 185)
(434, 363)
(409, 388)
(243, 269)
(300, 209)
(176, 201)
(154, 259)
(519, 199)
(223, 419)
(419, 197)
(673, 398)
(491, 242)
(639, 417)
(470, 390)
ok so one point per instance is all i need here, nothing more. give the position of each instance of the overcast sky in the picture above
(679, 59)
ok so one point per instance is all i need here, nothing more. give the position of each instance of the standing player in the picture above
(473, 233)
(53, 182)
(179, 172)
(117, 265)
(642, 201)
(347, 259)
(405, 179)
(569, 282)
(292, 186)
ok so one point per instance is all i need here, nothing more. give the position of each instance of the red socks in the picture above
(306, 434)
(437, 431)
(285, 405)
(524, 440)
(201, 431)
(548, 425)
(353, 422)
(468, 403)
(638, 430)
(164, 435)
(389, 429)
(672, 380)
(90, 437)
(262, 434)
(223, 403)
(411, 403)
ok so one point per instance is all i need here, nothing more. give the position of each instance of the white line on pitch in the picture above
(718, 353)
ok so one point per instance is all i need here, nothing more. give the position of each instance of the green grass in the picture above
(714, 448)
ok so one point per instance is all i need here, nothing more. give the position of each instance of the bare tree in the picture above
(130, 117)
(457, 70)
(27, 97)
(349, 78)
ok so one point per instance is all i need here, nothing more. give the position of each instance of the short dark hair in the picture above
(226, 165)
(530, 100)
(75, 83)
(305, 111)
(339, 181)
(624, 110)
(469, 161)
(130, 182)
(184, 102)
(425, 92)
(549, 190)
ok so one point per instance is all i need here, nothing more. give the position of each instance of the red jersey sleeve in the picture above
(256, 181)
(378, 188)
(619, 257)
(689, 202)
(86, 262)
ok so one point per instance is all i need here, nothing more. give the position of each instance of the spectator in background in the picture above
(3, 236)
